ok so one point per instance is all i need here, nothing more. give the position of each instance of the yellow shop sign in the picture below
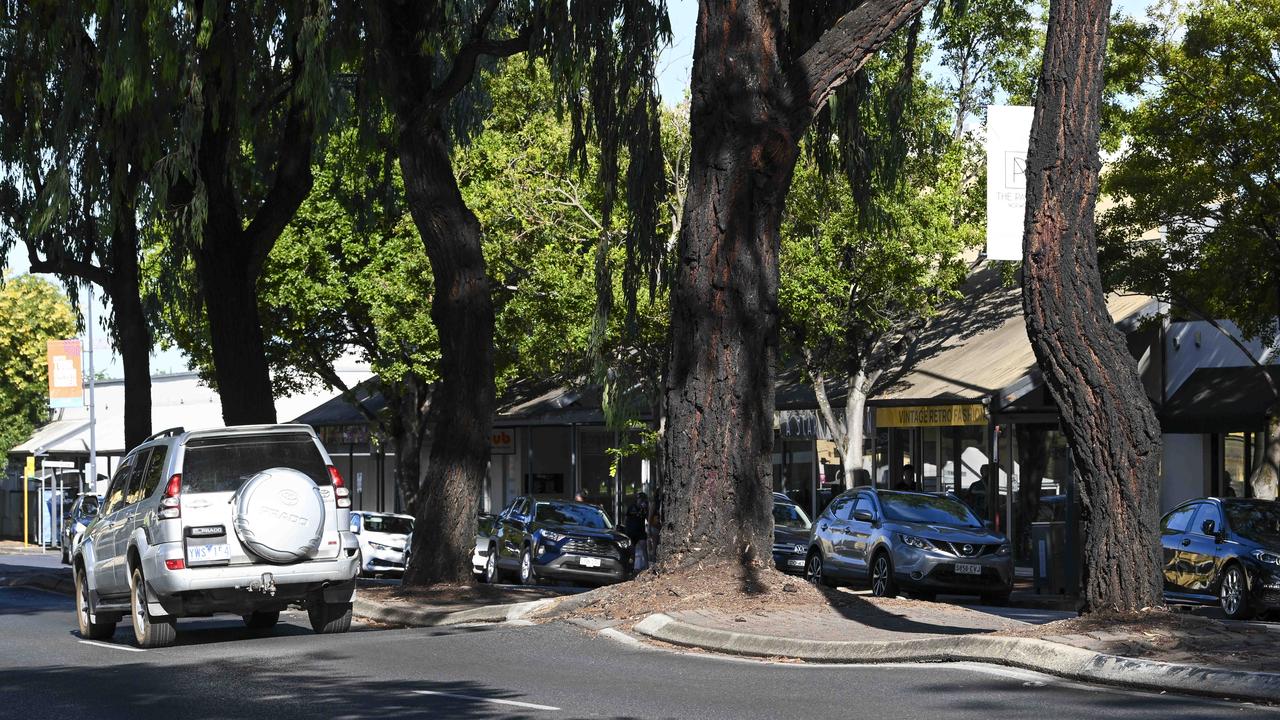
(930, 416)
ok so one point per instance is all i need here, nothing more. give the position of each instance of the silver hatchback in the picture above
(924, 543)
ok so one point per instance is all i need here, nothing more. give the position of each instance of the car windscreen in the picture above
(223, 464)
(788, 515)
(1258, 520)
(384, 524)
(571, 514)
(931, 509)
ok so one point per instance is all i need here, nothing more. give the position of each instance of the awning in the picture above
(1221, 400)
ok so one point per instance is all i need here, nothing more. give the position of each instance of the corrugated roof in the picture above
(978, 345)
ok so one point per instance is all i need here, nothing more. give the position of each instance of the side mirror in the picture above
(1208, 527)
(863, 515)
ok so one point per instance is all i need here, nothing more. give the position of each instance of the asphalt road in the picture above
(218, 670)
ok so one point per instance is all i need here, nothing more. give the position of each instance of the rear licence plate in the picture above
(208, 553)
(590, 562)
(968, 569)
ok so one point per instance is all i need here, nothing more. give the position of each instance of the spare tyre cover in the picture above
(279, 515)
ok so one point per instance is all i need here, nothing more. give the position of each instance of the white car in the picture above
(383, 538)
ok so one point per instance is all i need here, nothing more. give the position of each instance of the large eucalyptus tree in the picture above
(425, 60)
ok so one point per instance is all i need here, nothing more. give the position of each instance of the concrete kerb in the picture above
(1027, 653)
(426, 617)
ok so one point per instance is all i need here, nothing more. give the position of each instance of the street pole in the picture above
(93, 443)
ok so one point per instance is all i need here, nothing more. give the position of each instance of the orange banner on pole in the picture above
(66, 377)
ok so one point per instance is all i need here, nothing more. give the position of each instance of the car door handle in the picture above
(1186, 542)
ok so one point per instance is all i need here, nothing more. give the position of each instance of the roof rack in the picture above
(166, 433)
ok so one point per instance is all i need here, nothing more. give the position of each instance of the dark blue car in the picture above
(557, 539)
(1223, 551)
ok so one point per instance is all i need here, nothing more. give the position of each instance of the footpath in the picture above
(1174, 652)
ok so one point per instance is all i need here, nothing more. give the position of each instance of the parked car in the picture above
(924, 543)
(791, 527)
(544, 538)
(246, 520)
(75, 519)
(1225, 552)
(383, 539)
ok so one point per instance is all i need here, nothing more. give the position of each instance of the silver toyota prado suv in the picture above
(245, 520)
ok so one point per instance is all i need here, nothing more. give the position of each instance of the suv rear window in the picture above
(223, 464)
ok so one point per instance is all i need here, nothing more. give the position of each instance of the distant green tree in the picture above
(1197, 185)
(32, 312)
(853, 292)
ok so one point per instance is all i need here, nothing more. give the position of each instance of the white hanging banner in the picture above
(1008, 133)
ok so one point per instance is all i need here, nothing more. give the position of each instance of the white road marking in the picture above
(110, 646)
(496, 701)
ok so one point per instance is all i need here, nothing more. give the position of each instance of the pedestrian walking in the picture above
(636, 527)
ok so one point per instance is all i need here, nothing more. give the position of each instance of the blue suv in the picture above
(544, 538)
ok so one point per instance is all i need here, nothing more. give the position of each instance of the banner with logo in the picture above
(1008, 133)
(66, 378)
(502, 442)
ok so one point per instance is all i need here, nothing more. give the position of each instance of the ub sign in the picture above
(1008, 132)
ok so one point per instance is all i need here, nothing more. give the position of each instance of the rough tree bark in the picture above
(752, 99)
(463, 402)
(1111, 426)
(460, 416)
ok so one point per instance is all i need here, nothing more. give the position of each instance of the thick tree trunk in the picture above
(1266, 466)
(1112, 428)
(720, 379)
(752, 100)
(462, 402)
(235, 332)
(133, 340)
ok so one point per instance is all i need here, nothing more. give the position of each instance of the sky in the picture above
(674, 67)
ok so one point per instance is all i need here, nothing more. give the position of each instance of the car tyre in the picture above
(1233, 594)
(329, 618)
(491, 573)
(150, 631)
(88, 629)
(882, 584)
(528, 576)
(814, 570)
(261, 620)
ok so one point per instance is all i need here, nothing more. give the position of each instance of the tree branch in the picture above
(842, 50)
(464, 65)
(289, 188)
(58, 263)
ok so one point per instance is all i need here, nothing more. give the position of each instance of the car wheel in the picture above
(527, 575)
(360, 564)
(88, 629)
(261, 620)
(1234, 594)
(150, 631)
(882, 584)
(491, 566)
(813, 570)
(328, 618)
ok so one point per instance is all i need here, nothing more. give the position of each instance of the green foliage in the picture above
(1201, 163)
(32, 312)
(847, 286)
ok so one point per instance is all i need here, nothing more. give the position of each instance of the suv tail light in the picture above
(340, 490)
(171, 501)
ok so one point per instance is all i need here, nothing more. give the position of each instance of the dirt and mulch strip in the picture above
(725, 587)
(1166, 636)
(452, 597)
